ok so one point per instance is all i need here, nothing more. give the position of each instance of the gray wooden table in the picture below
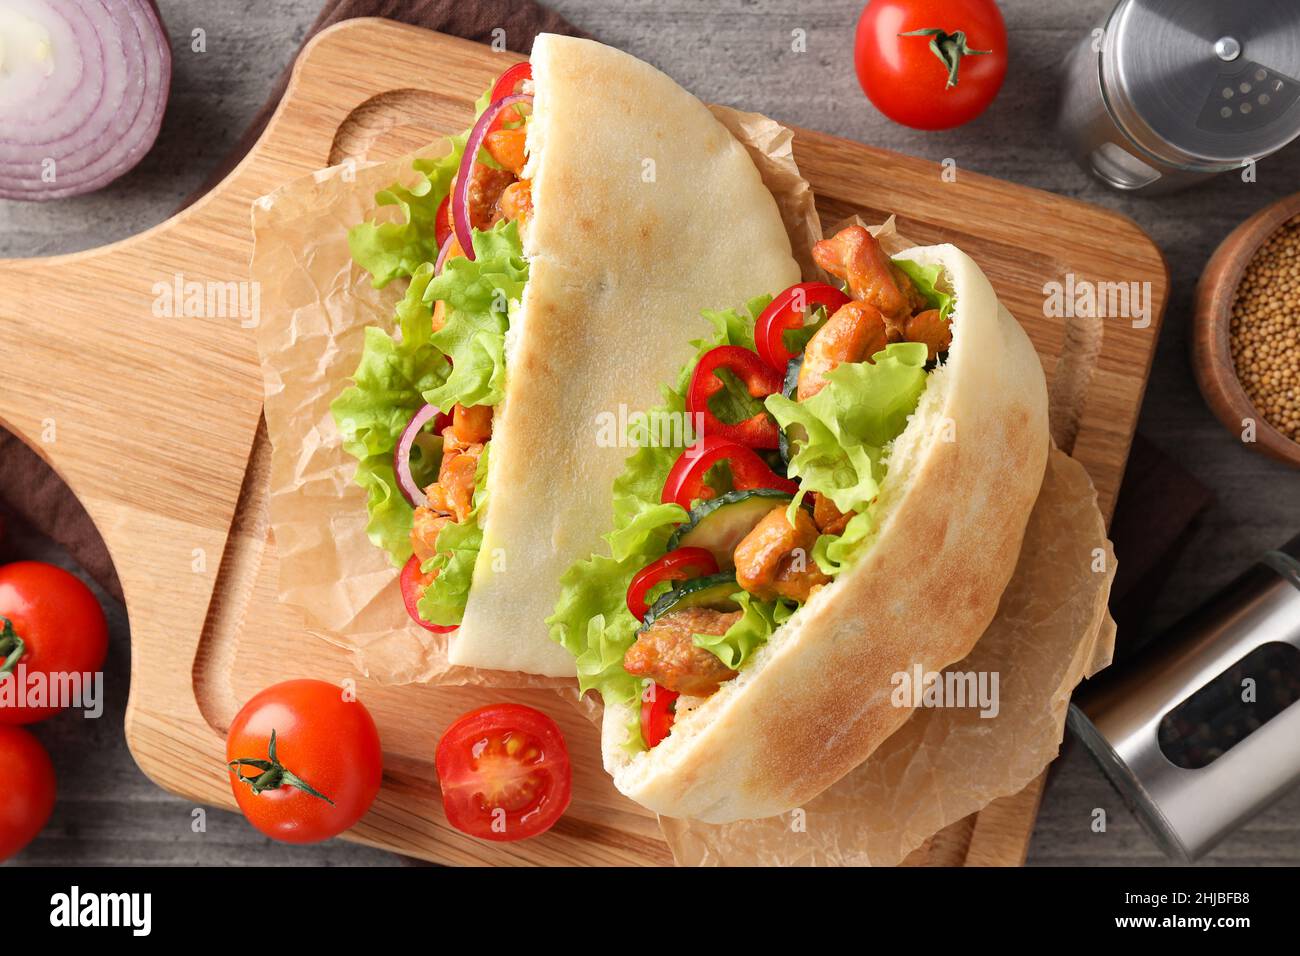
(735, 52)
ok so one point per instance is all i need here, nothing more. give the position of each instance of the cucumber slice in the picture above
(786, 443)
(719, 524)
(714, 591)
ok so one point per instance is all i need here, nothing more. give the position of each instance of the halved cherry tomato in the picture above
(680, 565)
(786, 313)
(686, 478)
(413, 586)
(510, 79)
(51, 625)
(658, 711)
(757, 431)
(304, 760)
(504, 772)
(442, 221)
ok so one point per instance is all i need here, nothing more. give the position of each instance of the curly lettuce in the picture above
(388, 388)
(848, 424)
(591, 618)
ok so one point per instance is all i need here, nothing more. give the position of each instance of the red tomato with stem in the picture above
(50, 623)
(505, 773)
(27, 796)
(305, 762)
(931, 64)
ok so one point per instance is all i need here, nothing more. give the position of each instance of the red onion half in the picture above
(411, 491)
(83, 86)
(460, 198)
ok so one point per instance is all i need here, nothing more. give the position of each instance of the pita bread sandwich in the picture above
(593, 204)
(850, 507)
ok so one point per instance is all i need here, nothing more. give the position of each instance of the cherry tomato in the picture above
(27, 796)
(509, 81)
(305, 763)
(50, 623)
(680, 565)
(907, 80)
(757, 431)
(685, 482)
(786, 313)
(658, 711)
(504, 772)
(413, 585)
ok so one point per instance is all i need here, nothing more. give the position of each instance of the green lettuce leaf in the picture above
(458, 547)
(392, 250)
(591, 618)
(864, 407)
(388, 388)
(481, 296)
(926, 280)
(757, 622)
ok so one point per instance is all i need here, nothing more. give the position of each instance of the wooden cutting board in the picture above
(154, 422)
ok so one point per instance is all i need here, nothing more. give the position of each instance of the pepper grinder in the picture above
(1201, 730)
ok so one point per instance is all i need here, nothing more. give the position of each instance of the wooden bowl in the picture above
(1211, 352)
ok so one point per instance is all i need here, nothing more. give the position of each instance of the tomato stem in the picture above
(273, 776)
(949, 48)
(12, 646)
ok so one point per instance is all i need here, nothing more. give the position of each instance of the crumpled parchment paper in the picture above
(944, 764)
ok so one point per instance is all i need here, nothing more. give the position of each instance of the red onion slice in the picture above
(412, 492)
(82, 93)
(460, 198)
(442, 255)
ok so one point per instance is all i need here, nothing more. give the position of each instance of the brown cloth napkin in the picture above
(1158, 502)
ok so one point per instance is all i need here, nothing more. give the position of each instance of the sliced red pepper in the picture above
(658, 714)
(413, 587)
(786, 313)
(757, 431)
(510, 79)
(686, 478)
(680, 565)
(442, 221)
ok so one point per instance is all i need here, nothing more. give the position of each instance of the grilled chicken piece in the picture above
(424, 532)
(853, 334)
(929, 328)
(453, 492)
(506, 146)
(775, 559)
(485, 188)
(473, 425)
(516, 202)
(855, 256)
(667, 653)
(828, 518)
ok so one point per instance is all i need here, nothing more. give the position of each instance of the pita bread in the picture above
(815, 701)
(645, 211)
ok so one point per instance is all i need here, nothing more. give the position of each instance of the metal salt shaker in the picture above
(1173, 92)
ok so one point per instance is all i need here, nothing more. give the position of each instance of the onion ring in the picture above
(460, 198)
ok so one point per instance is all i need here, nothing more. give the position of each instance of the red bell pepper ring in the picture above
(786, 313)
(757, 431)
(685, 481)
(442, 221)
(510, 79)
(413, 586)
(658, 712)
(680, 565)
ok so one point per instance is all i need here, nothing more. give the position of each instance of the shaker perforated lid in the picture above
(1197, 82)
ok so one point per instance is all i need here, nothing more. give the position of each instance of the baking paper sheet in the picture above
(1052, 628)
